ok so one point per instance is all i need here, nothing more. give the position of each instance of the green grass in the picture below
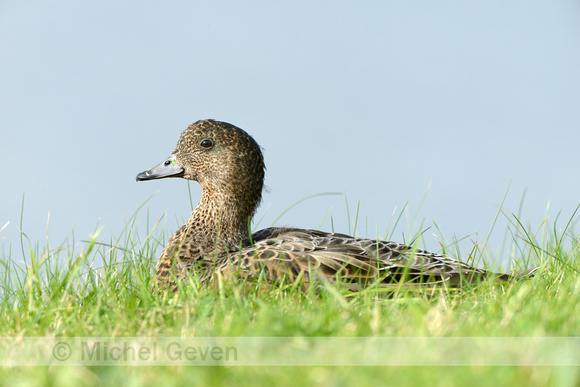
(60, 292)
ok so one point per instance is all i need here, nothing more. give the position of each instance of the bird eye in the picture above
(207, 143)
(167, 162)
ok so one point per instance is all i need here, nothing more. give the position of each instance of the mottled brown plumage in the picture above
(229, 166)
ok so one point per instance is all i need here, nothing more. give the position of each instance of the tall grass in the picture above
(104, 290)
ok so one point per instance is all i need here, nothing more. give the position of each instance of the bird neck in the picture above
(220, 217)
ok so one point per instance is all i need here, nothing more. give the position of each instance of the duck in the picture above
(216, 240)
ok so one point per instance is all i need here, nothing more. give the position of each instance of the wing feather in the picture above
(289, 252)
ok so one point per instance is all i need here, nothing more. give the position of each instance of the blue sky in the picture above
(384, 101)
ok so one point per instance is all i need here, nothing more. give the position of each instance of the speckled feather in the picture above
(216, 238)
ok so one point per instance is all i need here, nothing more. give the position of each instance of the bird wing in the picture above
(292, 252)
